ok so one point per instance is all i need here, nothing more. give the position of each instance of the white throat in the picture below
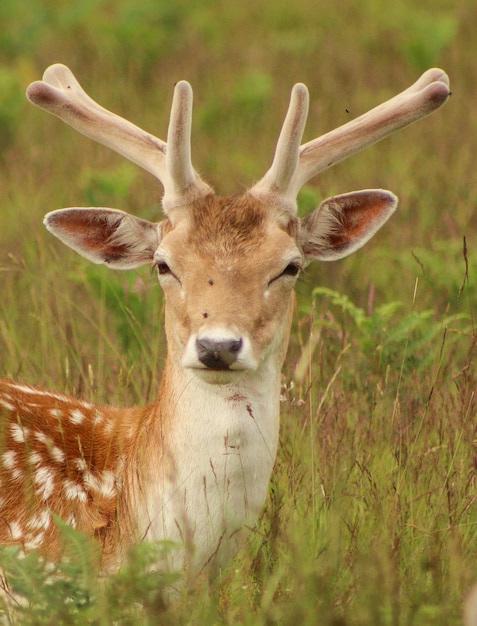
(215, 469)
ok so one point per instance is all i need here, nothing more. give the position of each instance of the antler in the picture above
(61, 94)
(426, 95)
(285, 161)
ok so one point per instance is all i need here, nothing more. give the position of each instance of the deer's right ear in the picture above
(107, 236)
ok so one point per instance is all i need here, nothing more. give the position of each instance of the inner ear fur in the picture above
(343, 224)
(107, 236)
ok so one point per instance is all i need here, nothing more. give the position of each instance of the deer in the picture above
(194, 467)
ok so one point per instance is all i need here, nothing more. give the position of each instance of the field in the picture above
(371, 517)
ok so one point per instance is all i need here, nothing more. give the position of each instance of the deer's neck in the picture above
(211, 450)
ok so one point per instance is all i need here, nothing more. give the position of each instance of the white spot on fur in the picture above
(41, 521)
(17, 474)
(74, 491)
(6, 405)
(77, 417)
(98, 418)
(57, 454)
(71, 521)
(35, 458)
(37, 392)
(45, 481)
(34, 541)
(9, 459)
(19, 433)
(16, 530)
(42, 438)
(108, 428)
(80, 464)
(104, 483)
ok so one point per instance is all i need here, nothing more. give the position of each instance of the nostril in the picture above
(218, 355)
(212, 345)
(236, 345)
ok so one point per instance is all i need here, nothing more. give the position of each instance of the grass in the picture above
(371, 516)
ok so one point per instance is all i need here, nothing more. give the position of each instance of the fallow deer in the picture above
(194, 467)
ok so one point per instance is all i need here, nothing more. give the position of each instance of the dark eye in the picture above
(163, 268)
(292, 269)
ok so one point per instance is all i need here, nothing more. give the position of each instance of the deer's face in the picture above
(228, 265)
(228, 271)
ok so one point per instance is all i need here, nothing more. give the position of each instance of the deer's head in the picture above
(228, 265)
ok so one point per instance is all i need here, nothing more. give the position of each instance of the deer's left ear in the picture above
(343, 224)
(108, 236)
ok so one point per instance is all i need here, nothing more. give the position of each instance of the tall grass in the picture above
(371, 515)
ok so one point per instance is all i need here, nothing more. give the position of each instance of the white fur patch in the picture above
(33, 542)
(57, 454)
(105, 483)
(42, 438)
(35, 458)
(17, 474)
(41, 521)
(16, 530)
(18, 433)
(77, 417)
(38, 392)
(6, 405)
(73, 491)
(80, 464)
(98, 418)
(9, 459)
(45, 481)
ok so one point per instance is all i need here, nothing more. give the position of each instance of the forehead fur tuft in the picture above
(231, 222)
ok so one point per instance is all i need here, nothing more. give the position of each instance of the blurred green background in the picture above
(381, 371)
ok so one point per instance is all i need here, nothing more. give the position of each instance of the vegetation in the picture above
(371, 517)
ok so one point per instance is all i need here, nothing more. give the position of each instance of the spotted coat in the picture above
(60, 457)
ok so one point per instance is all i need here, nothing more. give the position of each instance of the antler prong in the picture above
(414, 103)
(180, 173)
(426, 95)
(278, 177)
(61, 94)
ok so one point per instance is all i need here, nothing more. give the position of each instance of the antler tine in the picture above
(426, 95)
(61, 94)
(181, 176)
(279, 176)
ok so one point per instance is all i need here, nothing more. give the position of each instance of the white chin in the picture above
(218, 377)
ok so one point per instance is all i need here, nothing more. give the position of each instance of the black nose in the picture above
(218, 355)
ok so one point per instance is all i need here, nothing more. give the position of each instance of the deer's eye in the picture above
(292, 269)
(162, 267)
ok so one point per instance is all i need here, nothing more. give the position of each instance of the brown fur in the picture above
(64, 457)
